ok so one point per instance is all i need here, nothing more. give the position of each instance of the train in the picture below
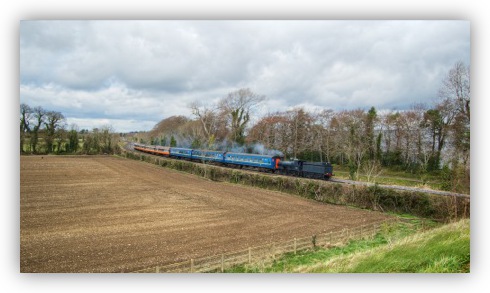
(269, 163)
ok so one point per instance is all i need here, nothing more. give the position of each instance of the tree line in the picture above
(46, 132)
(422, 139)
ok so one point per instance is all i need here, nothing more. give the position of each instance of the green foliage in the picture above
(290, 262)
(393, 158)
(443, 250)
(433, 163)
(235, 177)
(196, 143)
(309, 155)
(379, 152)
(211, 142)
(352, 171)
(173, 142)
(446, 176)
(100, 141)
(443, 208)
(239, 120)
(455, 179)
(396, 248)
(72, 141)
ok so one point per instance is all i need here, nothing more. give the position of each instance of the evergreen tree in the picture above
(173, 142)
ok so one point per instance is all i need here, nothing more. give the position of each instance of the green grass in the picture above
(397, 249)
(443, 250)
(390, 177)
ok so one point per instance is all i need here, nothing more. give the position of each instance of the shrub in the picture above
(444, 208)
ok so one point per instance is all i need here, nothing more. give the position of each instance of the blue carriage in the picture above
(258, 161)
(205, 155)
(181, 153)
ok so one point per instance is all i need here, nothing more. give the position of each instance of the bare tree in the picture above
(372, 169)
(370, 122)
(300, 124)
(205, 116)
(388, 122)
(349, 129)
(455, 95)
(456, 87)
(271, 131)
(324, 120)
(421, 148)
(165, 129)
(53, 122)
(101, 141)
(454, 106)
(25, 117)
(38, 116)
(107, 139)
(209, 119)
(238, 106)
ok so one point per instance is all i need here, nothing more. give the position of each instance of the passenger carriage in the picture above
(251, 160)
(181, 153)
(205, 155)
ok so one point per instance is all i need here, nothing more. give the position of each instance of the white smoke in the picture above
(260, 149)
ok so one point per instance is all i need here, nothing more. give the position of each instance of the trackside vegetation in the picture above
(436, 207)
(397, 249)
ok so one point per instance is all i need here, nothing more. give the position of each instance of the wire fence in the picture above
(268, 252)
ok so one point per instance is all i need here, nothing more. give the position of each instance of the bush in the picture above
(443, 208)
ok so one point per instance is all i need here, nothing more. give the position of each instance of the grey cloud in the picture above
(150, 70)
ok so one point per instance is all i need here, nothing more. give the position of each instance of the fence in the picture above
(267, 253)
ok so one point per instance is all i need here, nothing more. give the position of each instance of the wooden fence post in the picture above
(222, 263)
(192, 265)
(249, 255)
(157, 269)
(294, 245)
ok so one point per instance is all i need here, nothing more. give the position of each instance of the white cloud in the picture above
(119, 125)
(150, 70)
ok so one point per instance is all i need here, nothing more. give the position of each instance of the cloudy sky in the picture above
(132, 74)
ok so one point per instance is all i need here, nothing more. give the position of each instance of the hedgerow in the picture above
(432, 206)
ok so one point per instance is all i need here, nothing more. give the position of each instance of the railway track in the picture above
(129, 147)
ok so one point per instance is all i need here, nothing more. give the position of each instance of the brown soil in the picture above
(106, 214)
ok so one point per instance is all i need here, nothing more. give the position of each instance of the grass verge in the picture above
(397, 249)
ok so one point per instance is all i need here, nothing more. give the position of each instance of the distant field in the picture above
(394, 178)
(107, 214)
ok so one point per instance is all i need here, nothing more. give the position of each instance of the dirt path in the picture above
(106, 214)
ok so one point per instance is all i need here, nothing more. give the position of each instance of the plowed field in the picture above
(106, 214)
